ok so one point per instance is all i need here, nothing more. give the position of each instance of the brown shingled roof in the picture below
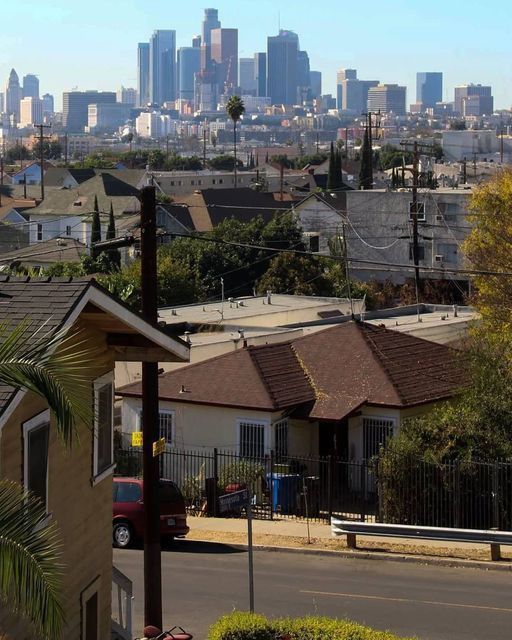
(333, 372)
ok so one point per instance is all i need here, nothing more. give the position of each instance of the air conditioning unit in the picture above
(438, 258)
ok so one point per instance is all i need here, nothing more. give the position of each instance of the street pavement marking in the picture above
(442, 604)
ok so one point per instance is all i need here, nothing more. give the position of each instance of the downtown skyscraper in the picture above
(282, 67)
(162, 66)
(429, 88)
(13, 95)
(143, 74)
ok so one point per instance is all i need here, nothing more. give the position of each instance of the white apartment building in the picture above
(31, 112)
(155, 125)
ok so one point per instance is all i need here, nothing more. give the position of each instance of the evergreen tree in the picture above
(96, 207)
(331, 176)
(113, 254)
(95, 227)
(365, 172)
(339, 168)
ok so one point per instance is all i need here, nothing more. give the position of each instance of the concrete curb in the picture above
(378, 555)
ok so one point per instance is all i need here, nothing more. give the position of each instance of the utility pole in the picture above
(464, 171)
(66, 150)
(150, 464)
(42, 137)
(204, 146)
(369, 125)
(501, 144)
(347, 268)
(1, 176)
(281, 179)
(21, 153)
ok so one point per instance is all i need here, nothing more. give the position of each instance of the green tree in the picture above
(224, 163)
(156, 159)
(365, 172)
(14, 153)
(113, 254)
(235, 109)
(95, 226)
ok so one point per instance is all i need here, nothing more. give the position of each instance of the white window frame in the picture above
(85, 596)
(39, 232)
(421, 211)
(98, 476)
(265, 424)
(392, 423)
(34, 423)
(166, 412)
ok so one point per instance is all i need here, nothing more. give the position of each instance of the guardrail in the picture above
(122, 593)
(352, 529)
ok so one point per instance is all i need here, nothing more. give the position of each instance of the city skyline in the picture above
(410, 45)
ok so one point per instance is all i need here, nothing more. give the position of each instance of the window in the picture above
(192, 182)
(448, 210)
(448, 251)
(281, 439)
(127, 492)
(68, 230)
(89, 604)
(103, 424)
(36, 434)
(221, 180)
(314, 244)
(420, 210)
(165, 425)
(376, 432)
(39, 232)
(421, 251)
(251, 438)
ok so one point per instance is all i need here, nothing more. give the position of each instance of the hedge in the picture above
(247, 626)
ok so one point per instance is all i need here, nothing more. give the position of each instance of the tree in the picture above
(95, 226)
(30, 571)
(156, 159)
(113, 254)
(458, 125)
(224, 163)
(15, 153)
(488, 248)
(235, 109)
(365, 172)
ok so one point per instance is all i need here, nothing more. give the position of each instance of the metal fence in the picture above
(397, 490)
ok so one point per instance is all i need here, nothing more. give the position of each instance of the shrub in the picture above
(247, 626)
(243, 472)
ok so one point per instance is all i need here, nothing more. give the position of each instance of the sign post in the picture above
(234, 502)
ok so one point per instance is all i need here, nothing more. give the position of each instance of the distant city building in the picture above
(315, 82)
(13, 95)
(246, 76)
(2, 103)
(282, 67)
(143, 74)
(107, 117)
(483, 106)
(352, 94)
(224, 53)
(341, 77)
(48, 105)
(196, 42)
(429, 88)
(189, 63)
(162, 66)
(155, 125)
(127, 95)
(211, 21)
(30, 86)
(75, 107)
(31, 112)
(260, 73)
(303, 79)
(387, 98)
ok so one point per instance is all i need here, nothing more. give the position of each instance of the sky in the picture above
(92, 44)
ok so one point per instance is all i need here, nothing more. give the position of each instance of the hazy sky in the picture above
(92, 43)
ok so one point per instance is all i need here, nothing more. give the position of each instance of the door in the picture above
(333, 439)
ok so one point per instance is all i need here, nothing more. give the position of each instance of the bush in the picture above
(243, 472)
(246, 626)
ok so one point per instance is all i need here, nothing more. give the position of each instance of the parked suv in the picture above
(128, 520)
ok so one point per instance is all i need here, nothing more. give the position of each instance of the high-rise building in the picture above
(196, 42)
(303, 80)
(246, 76)
(189, 63)
(162, 66)
(143, 73)
(107, 117)
(387, 98)
(352, 94)
(282, 63)
(2, 102)
(75, 107)
(48, 105)
(341, 77)
(260, 73)
(127, 95)
(429, 88)
(31, 112)
(211, 21)
(224, 53)
(30, 86)
(483, 106)
(315, 82)
(13, 95)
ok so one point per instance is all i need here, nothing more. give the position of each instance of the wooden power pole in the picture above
(42, 137)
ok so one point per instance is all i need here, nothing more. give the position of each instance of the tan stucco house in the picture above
(75, 484)
(342, 391)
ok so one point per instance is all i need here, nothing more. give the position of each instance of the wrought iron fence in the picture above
(397, 490)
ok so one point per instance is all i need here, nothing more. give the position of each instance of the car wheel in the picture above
(122, 534)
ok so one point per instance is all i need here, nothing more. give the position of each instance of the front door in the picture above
(333, 439)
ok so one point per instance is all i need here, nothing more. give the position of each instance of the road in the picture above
(202, 581)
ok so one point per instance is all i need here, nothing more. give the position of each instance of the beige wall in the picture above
(83, 513)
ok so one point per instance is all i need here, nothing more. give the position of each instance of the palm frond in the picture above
(30, 561)
(56, 365)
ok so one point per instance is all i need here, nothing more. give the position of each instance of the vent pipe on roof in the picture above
(269, 296)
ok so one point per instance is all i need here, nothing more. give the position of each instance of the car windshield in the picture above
(128, 492)
(169, 492)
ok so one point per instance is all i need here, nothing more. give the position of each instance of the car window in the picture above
(114, 492)
(128, 492)
(169, 492)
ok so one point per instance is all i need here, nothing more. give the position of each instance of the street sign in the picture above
(235, 501)
(158, 447)
(136, 438)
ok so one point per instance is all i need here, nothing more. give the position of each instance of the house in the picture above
(342, 391)
(75, 484)
(31, 173)
(43, 254)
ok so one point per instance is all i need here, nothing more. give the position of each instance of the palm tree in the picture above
(52, 366)
(235, 109)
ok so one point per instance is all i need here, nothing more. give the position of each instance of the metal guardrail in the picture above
(122, 593)
(351, 529)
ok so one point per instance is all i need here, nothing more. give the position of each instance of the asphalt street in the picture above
(202, 581)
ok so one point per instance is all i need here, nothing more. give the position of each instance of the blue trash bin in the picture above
(285, 489)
